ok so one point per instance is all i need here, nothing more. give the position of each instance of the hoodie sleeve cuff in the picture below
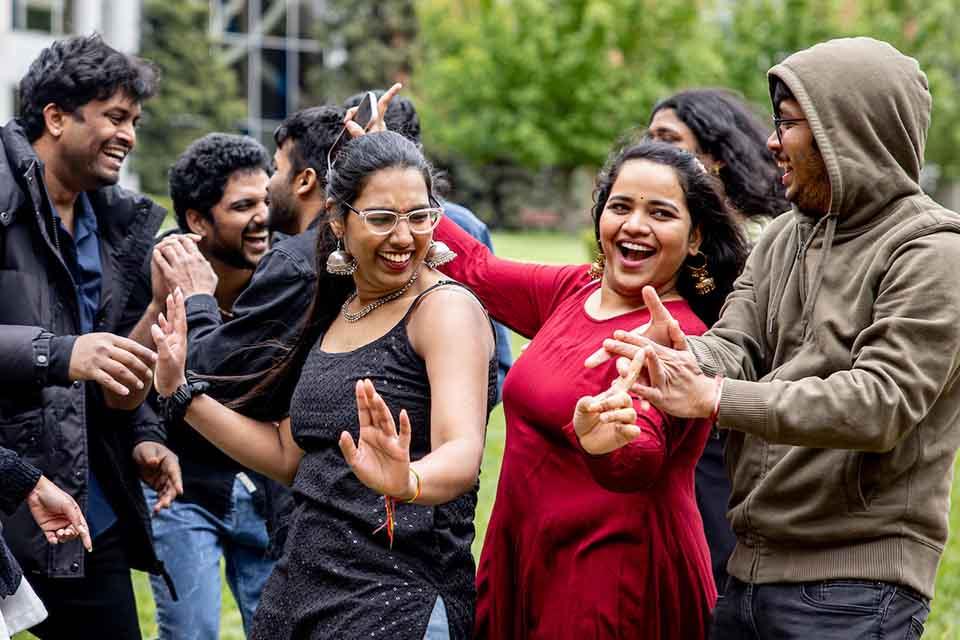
(744, 406)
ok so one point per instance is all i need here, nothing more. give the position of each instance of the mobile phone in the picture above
(365, 114)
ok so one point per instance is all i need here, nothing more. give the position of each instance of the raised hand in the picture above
(608, 421)
(57, 514)
(662, 329)
(381, 457)
(378, 123)
(170, 336)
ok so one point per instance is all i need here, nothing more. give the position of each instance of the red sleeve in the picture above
(520, 295)
(633, 467)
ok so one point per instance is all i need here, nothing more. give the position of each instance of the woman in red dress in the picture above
(602, 546)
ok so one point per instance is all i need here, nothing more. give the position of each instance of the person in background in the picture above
(401, 116)
(834, 364)
(731, 141)
(719, 127)
(74, 386)
(218, 186)
(583, 543)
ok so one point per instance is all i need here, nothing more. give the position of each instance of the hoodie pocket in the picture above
(856, 499)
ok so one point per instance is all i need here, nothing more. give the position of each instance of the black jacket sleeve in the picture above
(266, 319)
(33, 355)
(17, 480)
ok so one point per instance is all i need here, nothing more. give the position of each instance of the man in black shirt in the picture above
(219, 192)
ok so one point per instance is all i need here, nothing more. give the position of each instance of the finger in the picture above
(351, 112)
(161, 261)
(180, 315)
(354, 129)
(627, 415)
(78, 524)
(122, 374)
(618, 400)
(655, 368)
(171, 468)
(133, 347)
(658, 312)
(165, 325)
(51, 537)
(628, 432)
(381, 412)
(107, 381)
(174, 251)
(187, 243)
(632, 374)
(135, 365)
(630, 337)
(616, 347)
(602, 354)
(364, 415)
(348, 448)
(405, 430)
(648, 396)
(384, 102)
(677, 338)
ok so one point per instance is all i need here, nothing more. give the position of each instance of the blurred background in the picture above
(520, 99)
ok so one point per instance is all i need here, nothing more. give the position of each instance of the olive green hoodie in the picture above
(841, 343)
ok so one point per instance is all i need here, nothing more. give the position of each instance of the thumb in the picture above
(348, 448)
(658, 312)
(677, 337)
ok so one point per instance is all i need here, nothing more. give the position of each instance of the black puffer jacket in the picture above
(62, 426)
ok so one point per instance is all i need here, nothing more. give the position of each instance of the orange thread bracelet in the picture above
(718, 379)
(419, 485)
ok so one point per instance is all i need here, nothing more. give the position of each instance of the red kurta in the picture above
(582, 546)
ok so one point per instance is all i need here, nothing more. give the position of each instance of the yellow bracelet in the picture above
(419, 484)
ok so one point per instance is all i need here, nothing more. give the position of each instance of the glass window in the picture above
(273, 17)
(273, 84)
(46, 16)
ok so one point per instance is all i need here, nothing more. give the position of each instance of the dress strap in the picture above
(432, 288)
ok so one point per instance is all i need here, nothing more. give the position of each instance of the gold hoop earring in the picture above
(703, 282)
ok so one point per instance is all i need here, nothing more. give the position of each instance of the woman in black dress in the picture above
(394, 344)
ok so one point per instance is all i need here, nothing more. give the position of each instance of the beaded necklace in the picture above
(379, 302)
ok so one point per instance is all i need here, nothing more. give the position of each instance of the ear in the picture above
(696, 239)
(197, 223)
(305, 182)
(337, 225)
(53, 118)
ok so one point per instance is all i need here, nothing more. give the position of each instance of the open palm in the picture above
(381, 457)
(170, 336)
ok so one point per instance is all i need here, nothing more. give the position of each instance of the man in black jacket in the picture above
(71, 243)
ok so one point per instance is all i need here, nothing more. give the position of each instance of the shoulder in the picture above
(446, 312)
(299, 252)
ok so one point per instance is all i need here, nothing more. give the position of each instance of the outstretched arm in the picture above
(262, 446)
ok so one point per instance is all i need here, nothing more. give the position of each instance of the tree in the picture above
(552, 83)
(367, 45)
(198, 90)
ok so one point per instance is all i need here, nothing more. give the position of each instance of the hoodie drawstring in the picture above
(811, 301)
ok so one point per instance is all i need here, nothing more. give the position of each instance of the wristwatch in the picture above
(174, 407)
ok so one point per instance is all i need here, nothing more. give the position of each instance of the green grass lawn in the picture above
(944, 622)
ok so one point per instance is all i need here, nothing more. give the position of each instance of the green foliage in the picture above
(551, 83)
(368, 46)
(198, 91)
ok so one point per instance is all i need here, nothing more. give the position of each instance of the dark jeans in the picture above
(830, 610)
(101, 604)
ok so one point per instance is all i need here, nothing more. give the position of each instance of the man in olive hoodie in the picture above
(834, 363)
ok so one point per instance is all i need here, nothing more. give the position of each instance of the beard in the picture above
(283, 214)
(233, 256)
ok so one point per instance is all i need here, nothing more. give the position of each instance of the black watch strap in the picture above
(174, 407)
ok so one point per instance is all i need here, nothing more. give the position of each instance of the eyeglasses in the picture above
(778, 125)
(382, 222)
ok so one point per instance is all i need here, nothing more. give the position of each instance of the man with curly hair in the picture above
(219, 192)
(71, 242)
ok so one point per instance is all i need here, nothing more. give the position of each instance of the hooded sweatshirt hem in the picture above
(883, 560)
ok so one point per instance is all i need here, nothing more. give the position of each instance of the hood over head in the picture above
(868, 106)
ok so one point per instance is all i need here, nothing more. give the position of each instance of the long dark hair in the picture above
(722, 241)
(727, 129)
(359, 159)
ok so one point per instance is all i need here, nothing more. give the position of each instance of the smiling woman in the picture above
(381, 406)
(567, 512)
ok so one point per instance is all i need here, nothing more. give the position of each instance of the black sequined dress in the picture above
(337, 578)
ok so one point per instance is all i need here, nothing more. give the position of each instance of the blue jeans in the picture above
(438, 628)
(190, 541)
(829, 610)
